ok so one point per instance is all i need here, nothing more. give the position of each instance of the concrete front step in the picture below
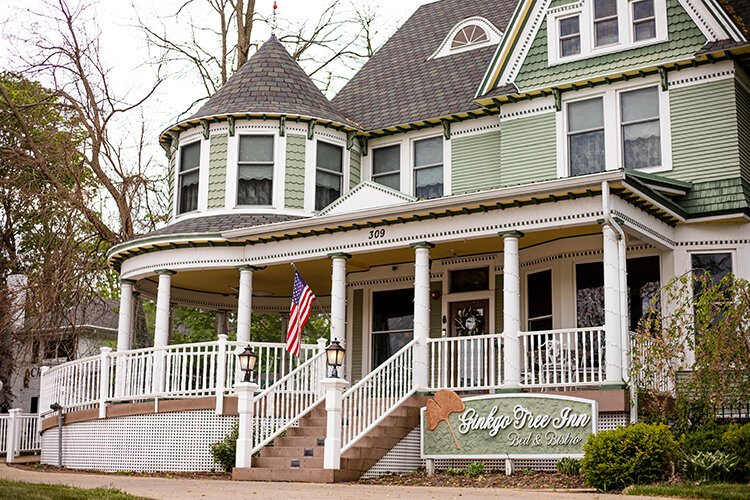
(305, 430)
(291, 451)
(294, 475)
(301, 441)
(298, 462)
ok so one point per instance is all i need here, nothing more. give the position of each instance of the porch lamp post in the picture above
(248, 358)
(335, 357)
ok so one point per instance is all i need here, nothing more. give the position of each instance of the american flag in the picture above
(302, 300)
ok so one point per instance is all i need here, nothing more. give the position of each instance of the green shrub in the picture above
(736, 441)
(454, 472)
(711, 466)
(636, 454)
(569, 466)
(475, 469)
(704, 439)
(225, 452)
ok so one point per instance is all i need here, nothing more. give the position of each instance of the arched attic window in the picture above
(472, 33)
(469, 35)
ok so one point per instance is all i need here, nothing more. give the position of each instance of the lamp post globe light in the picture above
(335, 357)
(248, 358)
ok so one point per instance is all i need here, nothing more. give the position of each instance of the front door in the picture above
(469, 357)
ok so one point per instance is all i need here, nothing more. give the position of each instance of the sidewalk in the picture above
(158, 488)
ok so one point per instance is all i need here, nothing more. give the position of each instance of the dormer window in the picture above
(570, 36)
(644, 20)
(605, 22)
(470, 35)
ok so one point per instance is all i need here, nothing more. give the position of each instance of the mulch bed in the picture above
(521, 480)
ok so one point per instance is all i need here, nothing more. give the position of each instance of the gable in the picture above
(367, 195)
(684, 40)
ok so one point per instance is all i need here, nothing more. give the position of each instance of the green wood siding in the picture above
(684, 40)
(498, 304)
(294, 192)
(475, 162)
(356, 343)
(355, 168)
(217, 171)
(528, 150)
(436, 311)
(743, 126)
(704, 132)
(170, 181)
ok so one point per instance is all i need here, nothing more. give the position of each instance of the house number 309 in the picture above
(376, 234)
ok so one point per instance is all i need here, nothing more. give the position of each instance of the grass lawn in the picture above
(716, 491)
(29, 491)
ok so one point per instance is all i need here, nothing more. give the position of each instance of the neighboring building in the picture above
(77, 334)
(493, 188)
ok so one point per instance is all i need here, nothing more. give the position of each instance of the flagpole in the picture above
(317, 302)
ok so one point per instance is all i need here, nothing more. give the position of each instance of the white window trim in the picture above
(613, 153)
(494, 36)
(201, 173)
(233, 169)
(585, 9)
(410, 178)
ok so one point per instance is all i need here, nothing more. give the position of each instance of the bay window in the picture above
(428, 168)
(386, 166)
(255, 170)
(189, 177)
(586, 136)
(329, 174)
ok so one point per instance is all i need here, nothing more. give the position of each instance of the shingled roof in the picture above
(271, 82)
(401, 84)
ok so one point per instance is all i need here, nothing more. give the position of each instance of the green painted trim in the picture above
(422, 244)
(248, 267)
(511, 234)
(230, 125)
(165, 272)
(206, 129)
(282, 126)
(659, 180)
(446, 129)
(511, 390)
(339, 255)
(613, 387)
(311, 129)
(127, 282)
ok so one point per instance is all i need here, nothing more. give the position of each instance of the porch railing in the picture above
(283, 403)
(24, 433)
(372, 399)
(563, 358)
(466, 363)
(187, 370)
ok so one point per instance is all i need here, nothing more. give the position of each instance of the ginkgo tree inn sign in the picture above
(506, 426)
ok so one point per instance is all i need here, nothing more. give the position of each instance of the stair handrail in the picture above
(361, 412)
(295, 402)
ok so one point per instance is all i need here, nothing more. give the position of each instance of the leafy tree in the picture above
(692, 357)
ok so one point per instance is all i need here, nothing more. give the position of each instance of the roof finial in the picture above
(274, 24)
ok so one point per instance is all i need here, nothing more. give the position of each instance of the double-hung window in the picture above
(329, 174)
(644, 20)
(189, 177)
(392, 323)
(586, 136)
(386, 166)
(428, 168)
(570, 36)
(641, 129)
(255, 170)
(606, 30)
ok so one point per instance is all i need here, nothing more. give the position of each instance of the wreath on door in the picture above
(469, 321)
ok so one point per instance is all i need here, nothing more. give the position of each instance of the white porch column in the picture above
(622, 252)
(334, 391)
(125, 322)
(338, 296)
(245, 303)
(511, 310)
(612, 319)
(422, 314)
(161, 329)
(245, 393)
(124, 333)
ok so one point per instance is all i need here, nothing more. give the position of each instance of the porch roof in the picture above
(633, 188)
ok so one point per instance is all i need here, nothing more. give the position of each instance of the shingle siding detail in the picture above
(355, 168)
(716, 196)
(294, 196)
(217, 171)
(685, 38)
(743, 126)
(529, 150)
(704, 132)
(356, 347)
(475, 162)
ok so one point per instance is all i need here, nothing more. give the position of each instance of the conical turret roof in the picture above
(271, 82)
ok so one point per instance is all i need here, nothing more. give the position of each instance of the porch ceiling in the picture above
(277, 280)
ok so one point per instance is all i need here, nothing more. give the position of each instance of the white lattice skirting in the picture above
(165, 442)
(405, 456)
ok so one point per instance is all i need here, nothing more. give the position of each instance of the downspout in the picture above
(623, 279)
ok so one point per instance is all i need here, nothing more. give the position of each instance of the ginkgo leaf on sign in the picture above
(440, 408)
